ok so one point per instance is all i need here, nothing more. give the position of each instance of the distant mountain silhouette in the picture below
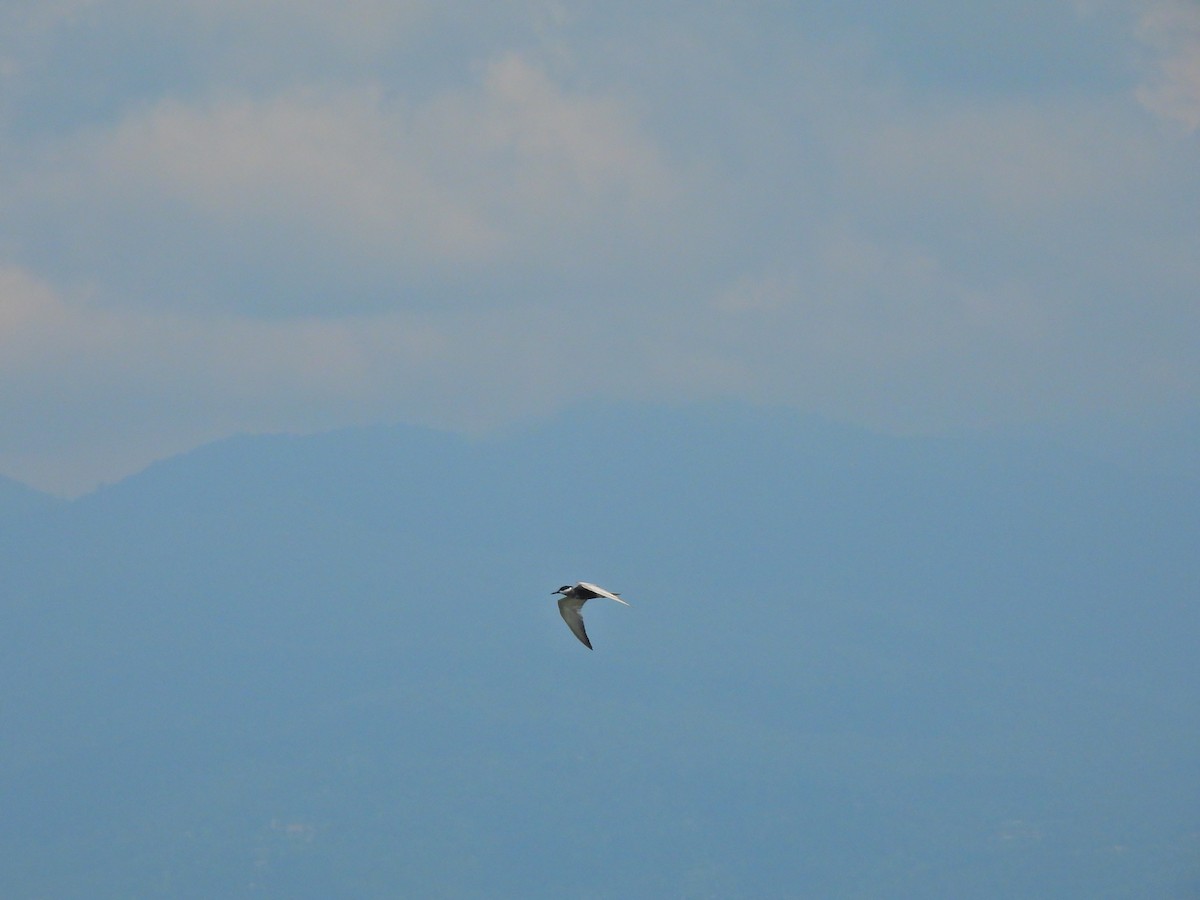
(855, 665)
(19, 503)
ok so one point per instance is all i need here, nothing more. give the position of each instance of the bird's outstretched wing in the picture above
(569, 607)
(601, 592)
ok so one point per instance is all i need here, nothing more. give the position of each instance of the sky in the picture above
(921, 217)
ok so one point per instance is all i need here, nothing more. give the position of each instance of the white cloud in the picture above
(39, 330)
(512, 173)
(567, 148)
(131, 384)
(1015, 160)
(1171, 30)
(886, 334)
(347, 163)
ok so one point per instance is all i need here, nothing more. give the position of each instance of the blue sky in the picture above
(920, 217)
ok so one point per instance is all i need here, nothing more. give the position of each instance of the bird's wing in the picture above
(602, 592)
(569, 607)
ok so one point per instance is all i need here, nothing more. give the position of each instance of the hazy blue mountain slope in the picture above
(18, 501)
(331, 666)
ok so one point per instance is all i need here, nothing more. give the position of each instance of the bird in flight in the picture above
(571, 603)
